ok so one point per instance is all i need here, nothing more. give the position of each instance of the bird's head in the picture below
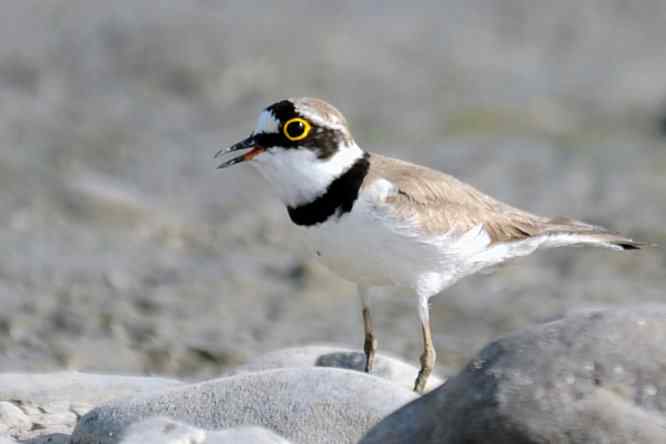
(300, 146)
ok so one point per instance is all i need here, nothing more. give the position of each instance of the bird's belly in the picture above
(353, 261)
(369, 253)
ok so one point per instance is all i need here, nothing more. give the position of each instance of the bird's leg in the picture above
(370, 344)
(429, 356)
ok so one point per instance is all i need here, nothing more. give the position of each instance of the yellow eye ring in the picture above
(296, 129)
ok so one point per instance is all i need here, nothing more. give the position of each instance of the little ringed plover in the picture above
(378, 221)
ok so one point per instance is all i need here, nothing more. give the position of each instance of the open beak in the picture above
(247, 144)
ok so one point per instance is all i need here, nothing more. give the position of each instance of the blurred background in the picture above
(125, 250)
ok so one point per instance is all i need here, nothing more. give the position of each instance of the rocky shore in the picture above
(592, 377)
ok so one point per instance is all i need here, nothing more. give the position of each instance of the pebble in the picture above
(12, 419)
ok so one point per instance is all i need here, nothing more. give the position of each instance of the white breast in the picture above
(298, 176)
(369, 246)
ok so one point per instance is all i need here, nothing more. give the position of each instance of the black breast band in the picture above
(338, 199)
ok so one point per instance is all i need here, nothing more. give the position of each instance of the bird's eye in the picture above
(296, 129)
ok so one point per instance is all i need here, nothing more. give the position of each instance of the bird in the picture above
(378, 221)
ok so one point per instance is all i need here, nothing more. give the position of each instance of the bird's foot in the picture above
(427, 363)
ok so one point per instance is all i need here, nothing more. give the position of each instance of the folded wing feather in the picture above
(440, 203)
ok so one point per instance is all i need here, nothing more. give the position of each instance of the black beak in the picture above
(248, 143)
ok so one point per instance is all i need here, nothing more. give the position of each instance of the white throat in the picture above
(298, 176)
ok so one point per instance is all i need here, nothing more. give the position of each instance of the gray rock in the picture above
(12, 418)
(61, 388)
(595, 377)
(160, 430)
(386, 367)
(49, 438)
(305, 405)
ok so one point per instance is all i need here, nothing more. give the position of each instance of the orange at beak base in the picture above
(247, 144)
(254, 152)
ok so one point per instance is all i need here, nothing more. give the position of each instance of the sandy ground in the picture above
(125, 250)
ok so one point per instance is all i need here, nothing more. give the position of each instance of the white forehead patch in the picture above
(315, 116)
(267, 123)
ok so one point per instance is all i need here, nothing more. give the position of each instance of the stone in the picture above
(12, 419)
(50, 403)
(387, 367)
(58, 421)
(164, 431)
(161, 430)
(50, 438)
(594, 377)
(250, 435)
(305, 405)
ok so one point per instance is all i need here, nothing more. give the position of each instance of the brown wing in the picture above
(440, 203)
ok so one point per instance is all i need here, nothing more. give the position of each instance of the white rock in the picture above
(164, 431)
(12, 419)
(249, 435)
(161, 430)
(61, 421)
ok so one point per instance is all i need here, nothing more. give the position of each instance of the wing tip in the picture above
(628, 244)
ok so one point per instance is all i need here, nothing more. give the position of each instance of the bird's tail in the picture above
(562, 232)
